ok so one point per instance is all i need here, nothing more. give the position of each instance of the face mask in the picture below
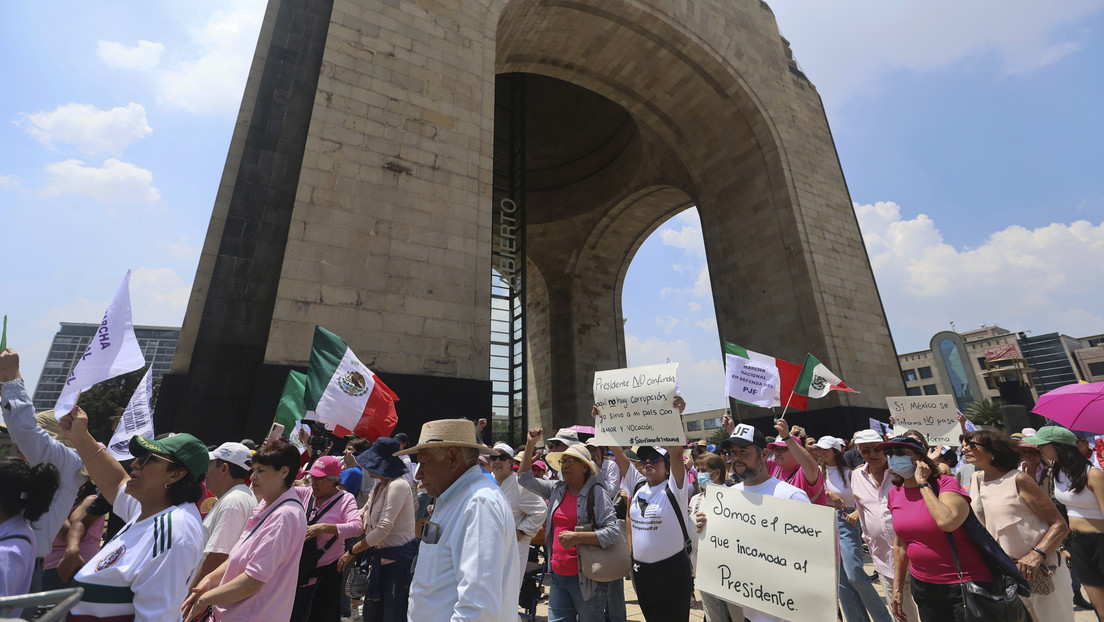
(902, 465)
(703, 482)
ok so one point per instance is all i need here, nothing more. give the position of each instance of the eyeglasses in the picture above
(553, 444)
(866, 451)
(568, 461)
(144, 459)
(502, 457)
(975, 445)
(898, 452)
(651, 460)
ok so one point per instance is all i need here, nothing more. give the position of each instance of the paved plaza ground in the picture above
(696, 614)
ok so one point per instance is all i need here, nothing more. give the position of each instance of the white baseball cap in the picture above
(234, 453)
(829, 442)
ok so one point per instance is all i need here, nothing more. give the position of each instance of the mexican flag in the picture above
(289, 410)
(747, 371)
(816, 380)
(344, 394)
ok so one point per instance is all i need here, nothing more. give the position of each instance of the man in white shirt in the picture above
(468, 558)
(226, 474)
(870, 484)
(746, 445)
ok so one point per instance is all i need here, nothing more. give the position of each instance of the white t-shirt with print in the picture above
(656, 534)
(145, 570)
(225, 522)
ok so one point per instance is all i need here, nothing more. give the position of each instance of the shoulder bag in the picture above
(308, 560)
(605, 564)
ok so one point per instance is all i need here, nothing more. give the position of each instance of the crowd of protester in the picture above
(271, 533)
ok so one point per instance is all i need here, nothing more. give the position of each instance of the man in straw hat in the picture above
(468, 559)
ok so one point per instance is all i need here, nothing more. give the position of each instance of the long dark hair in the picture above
(841, 467)
(25, 489)
(1072, 463)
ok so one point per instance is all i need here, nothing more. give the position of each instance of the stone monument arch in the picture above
(379, 140)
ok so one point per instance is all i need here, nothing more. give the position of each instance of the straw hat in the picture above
(447, 433)
(574, 451)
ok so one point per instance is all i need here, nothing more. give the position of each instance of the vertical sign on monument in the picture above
(508, 356)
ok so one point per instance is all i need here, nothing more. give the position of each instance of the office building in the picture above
(158, 345)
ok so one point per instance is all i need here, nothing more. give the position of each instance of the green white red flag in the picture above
(760, 380)
(344, 394)
(816, 380)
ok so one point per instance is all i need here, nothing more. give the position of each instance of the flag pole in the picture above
(787, 405)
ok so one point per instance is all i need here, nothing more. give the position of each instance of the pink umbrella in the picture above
(585, 429)
(1076, 406)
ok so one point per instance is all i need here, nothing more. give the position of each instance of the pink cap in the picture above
(326, 465)
(540, 464)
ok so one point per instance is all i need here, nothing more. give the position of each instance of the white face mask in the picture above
(902, 465)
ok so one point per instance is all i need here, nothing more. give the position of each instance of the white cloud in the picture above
(689, 239)
(667, 322)
(1020, 278)
(145, 55)
(89, 129)
(213, 81)
(9, 181)
(693, 306)
(158, 296)
(701, 288)
(846, 46)
(184, 247)
(701, 382)
(114, 183)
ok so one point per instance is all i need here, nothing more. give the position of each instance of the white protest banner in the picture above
(636, 406)
(773, 555)
(752, 380)
(933, 415)
(113, 351)
(137, 419)
(880, 427)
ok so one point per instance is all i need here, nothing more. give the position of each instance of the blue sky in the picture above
(970, 137)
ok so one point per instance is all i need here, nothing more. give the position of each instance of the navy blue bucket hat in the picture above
(380, 459)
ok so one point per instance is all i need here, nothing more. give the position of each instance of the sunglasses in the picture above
(651, 460)
(975, 445)
(898, 452)
(502, 457)
(726, 452)
(866, 451)
(143, 460)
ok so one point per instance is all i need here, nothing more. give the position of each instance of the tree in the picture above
(718, 436)
(109, 399)
(987, 412)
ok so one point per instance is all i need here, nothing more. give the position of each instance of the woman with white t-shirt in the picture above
(657, 514)
(144, 571)
(857, 596)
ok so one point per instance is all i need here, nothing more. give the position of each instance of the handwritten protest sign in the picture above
(933, 415)
(773, 555)
(636, 406)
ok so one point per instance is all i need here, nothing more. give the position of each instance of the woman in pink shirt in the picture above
(922, 518)
(258, 580)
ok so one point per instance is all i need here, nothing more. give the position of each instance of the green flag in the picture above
(290, 409)
(4, 336)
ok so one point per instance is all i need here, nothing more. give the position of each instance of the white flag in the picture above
(113, 352)
(137, 419)
(751, 380)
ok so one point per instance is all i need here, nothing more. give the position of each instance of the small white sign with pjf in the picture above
(933, 415)
(773, 555)
(636, 406)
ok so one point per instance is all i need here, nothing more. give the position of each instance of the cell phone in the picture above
(276, 432)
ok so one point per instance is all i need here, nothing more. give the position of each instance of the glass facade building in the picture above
(1048, 355)
(158, 346)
